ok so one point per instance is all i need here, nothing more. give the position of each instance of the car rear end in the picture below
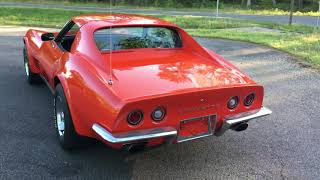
(172, 92)
(183, 116)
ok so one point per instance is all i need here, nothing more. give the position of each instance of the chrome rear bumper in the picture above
(242, 118)
(135, 136)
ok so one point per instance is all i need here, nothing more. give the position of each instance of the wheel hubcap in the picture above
(60, 116)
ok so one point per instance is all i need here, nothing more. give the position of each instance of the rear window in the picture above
(137, 37)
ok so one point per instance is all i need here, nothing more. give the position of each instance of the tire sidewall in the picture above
(32, 78)
(69, 138)
(26, 60)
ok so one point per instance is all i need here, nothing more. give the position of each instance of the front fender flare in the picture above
(32, 62)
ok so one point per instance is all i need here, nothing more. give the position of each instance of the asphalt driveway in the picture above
(282, 146)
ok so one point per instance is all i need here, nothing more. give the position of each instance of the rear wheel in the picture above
(31, 77)
(65, 131)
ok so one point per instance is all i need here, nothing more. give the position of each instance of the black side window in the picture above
(67, 35)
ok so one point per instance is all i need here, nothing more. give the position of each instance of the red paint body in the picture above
(142, 78)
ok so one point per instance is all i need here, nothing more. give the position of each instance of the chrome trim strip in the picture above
(195, 137)
(230, 121)
(262, 112)
(133, 136)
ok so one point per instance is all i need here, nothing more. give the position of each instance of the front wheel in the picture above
(65, 130)
(31, 77)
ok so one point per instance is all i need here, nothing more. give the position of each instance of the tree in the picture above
(114, 2)
(291, 11)
(248, 3)
(243, 2)
(300, 4)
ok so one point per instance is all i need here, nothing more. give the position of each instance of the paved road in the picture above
(307, 20)
(283, 146)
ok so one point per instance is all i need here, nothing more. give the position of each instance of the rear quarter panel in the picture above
(89, 98)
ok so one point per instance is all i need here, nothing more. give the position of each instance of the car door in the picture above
(52, 51)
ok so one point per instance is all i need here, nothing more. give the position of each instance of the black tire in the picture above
(63, 123)
(32, 78)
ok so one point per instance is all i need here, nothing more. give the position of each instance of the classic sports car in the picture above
(134, 81)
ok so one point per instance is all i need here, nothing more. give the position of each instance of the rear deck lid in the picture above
(151, 72)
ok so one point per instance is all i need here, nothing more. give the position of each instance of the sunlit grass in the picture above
(193, 22)
(306, 46)
(271, 12)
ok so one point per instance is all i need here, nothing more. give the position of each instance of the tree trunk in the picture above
(318, 20)
(248, 3)
(243, 2)
(300, 4)
(217, 10)
(291, 11)
(274, 2)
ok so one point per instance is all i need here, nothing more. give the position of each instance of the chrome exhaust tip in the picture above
(240, 127)
(136, 147)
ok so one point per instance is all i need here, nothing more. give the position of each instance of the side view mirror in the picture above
(47, 37)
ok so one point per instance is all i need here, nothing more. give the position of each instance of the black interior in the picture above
(67, 42)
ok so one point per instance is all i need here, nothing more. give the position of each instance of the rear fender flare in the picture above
(79, 127)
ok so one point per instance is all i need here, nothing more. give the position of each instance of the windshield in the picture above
(137, 37)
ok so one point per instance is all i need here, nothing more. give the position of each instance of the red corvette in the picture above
(136, 81)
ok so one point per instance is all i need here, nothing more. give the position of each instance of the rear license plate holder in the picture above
(196, 128)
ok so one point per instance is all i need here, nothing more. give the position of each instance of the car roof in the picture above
(119, 19)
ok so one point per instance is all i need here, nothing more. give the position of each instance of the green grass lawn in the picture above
(301, 41)
(272, 11)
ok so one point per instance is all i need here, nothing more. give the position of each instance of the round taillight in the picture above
(233, 102)
(158, 114)
(135, 117)
(249, 100)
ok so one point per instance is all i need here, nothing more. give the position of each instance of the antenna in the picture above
(110, 81)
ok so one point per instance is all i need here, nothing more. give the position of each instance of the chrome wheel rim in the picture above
(26, 67)
(60, 116)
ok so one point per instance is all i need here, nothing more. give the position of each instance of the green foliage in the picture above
(134, 42)
(144, 3)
